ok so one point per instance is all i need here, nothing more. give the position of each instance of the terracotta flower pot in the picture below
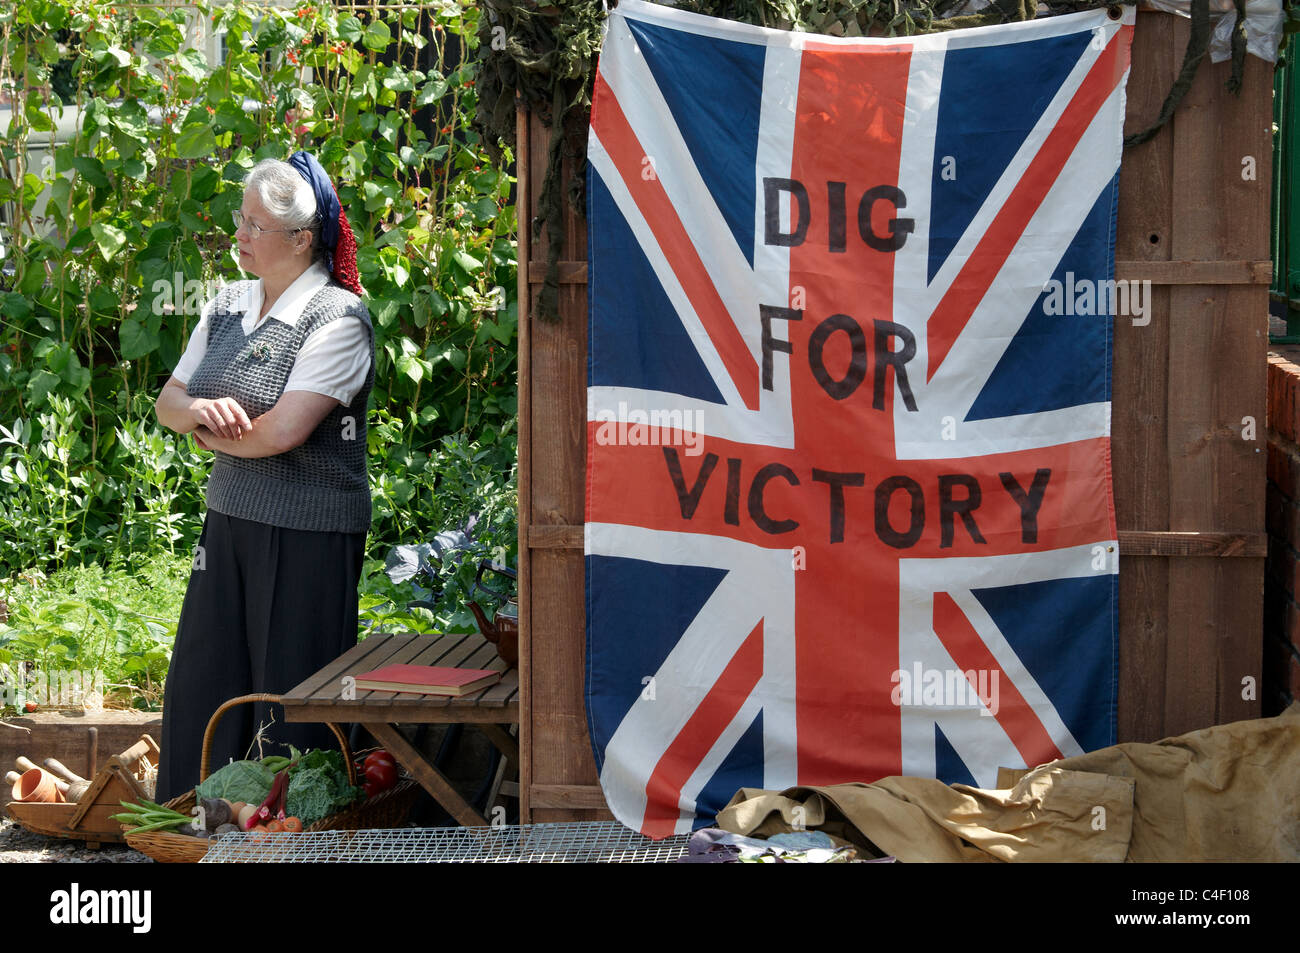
(37, 786)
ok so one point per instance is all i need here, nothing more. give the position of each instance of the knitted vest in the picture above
(320, 485)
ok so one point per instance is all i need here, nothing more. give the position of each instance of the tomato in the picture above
(381, 776)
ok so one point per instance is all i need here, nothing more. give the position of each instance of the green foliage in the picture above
(119, 623)
(126, 153)
(461, 480)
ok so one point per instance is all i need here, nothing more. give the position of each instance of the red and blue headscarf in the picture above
(336, 233)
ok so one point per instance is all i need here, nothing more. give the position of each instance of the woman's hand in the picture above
(198, 433)
(223, 416)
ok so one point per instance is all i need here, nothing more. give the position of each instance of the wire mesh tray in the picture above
(582, 842)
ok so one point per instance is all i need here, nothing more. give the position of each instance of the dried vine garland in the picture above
(544, 57)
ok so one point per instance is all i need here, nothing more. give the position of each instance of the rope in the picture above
(1197, 44)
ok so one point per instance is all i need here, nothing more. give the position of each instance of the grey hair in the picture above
(288, 198)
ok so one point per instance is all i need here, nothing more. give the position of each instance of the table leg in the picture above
(430, 778)
(505, 742)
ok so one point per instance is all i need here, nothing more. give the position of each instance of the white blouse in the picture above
(332, 361)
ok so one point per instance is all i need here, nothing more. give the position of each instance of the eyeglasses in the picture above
(255, 229)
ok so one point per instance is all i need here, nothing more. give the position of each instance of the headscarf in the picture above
(336, 233)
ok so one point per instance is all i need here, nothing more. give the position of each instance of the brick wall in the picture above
(1282, 580)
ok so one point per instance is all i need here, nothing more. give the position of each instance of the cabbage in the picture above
(315, 792)
(310, 796)
(247, 781)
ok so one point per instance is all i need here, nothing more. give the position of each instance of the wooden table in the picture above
(331, 696)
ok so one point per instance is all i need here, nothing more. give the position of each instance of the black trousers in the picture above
(266, 607)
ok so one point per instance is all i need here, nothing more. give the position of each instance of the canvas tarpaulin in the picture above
(1226, 793)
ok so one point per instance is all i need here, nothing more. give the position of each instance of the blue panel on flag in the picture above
(713, 88)
(742, 768)
(1060, 360)
(629, 595)
(1029, 615)
(987, 104)
(948, 765)
(645, 345)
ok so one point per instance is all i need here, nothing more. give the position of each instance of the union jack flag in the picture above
(849, 507)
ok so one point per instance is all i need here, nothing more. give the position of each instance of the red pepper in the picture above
(380, 776)
(377, 757)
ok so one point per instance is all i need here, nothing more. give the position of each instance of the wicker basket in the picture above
(386, 809)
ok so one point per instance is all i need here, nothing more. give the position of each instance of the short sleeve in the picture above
(195, 349)
(334, 360)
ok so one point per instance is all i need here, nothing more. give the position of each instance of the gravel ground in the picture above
(20, 846)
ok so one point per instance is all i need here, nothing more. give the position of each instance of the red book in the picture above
(428, 679)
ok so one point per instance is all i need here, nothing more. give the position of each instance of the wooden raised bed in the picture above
(80, 739)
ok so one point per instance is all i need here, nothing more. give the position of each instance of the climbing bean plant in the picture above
(126, 131)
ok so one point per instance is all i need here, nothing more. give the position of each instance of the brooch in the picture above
(260, 351)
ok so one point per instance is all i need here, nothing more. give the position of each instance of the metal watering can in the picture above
(503, 630)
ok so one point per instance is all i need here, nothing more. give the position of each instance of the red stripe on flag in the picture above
(849, 126)
(970, 652)
(973, 282)
(718, 709)
(620, 142)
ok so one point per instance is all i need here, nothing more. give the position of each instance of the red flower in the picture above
(292, 57)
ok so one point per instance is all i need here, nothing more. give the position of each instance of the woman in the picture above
(274, 381)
